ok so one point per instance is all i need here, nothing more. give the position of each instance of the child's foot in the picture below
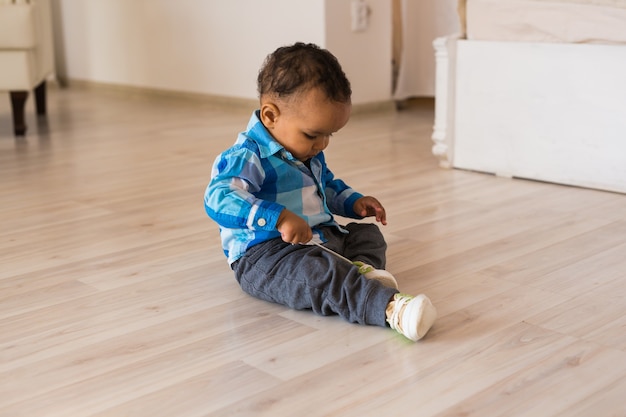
(411, 316)
(380, 275)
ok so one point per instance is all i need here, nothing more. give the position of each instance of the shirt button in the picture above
(261, 222)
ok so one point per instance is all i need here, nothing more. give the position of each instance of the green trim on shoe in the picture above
(380, 275)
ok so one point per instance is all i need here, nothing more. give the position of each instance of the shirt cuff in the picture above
(264, 216)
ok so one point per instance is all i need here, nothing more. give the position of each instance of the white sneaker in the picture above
(411, 316)
(380, 275)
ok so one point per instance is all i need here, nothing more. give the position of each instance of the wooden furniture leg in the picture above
(40, 98)
(18, 102)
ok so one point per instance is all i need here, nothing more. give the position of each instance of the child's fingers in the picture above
(381, 216)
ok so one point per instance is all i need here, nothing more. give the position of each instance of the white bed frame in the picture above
(542, 111)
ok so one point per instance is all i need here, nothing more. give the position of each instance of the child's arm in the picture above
(345, 201)
(229, 198)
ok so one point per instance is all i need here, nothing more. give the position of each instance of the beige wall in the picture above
(365, 56)
(216, 47)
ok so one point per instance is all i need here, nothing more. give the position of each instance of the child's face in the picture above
(304, 124)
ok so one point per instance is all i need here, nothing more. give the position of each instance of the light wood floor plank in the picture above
(559, 375)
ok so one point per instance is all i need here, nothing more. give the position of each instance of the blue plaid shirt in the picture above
(256, 178)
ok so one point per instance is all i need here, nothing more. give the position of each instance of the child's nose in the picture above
(322, 142)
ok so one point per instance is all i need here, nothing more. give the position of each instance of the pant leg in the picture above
(364, 243)
(306, 277)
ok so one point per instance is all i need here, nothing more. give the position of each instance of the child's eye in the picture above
(313, 137)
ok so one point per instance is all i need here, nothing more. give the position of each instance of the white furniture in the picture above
(533, 107)
(26, 54)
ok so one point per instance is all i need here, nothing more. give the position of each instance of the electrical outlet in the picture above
(360, 14)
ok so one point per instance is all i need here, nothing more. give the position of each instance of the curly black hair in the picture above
(300, 67)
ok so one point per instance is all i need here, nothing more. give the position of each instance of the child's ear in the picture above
(269, 114)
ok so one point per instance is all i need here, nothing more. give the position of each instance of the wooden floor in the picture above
(116, 300)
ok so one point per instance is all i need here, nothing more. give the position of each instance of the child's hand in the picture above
(293, 228)
(368, 206)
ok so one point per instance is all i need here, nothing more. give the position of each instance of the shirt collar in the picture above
(259, 134)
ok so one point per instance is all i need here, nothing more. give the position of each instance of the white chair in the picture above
(26, 54)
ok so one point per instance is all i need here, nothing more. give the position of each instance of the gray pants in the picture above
(307, 277)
